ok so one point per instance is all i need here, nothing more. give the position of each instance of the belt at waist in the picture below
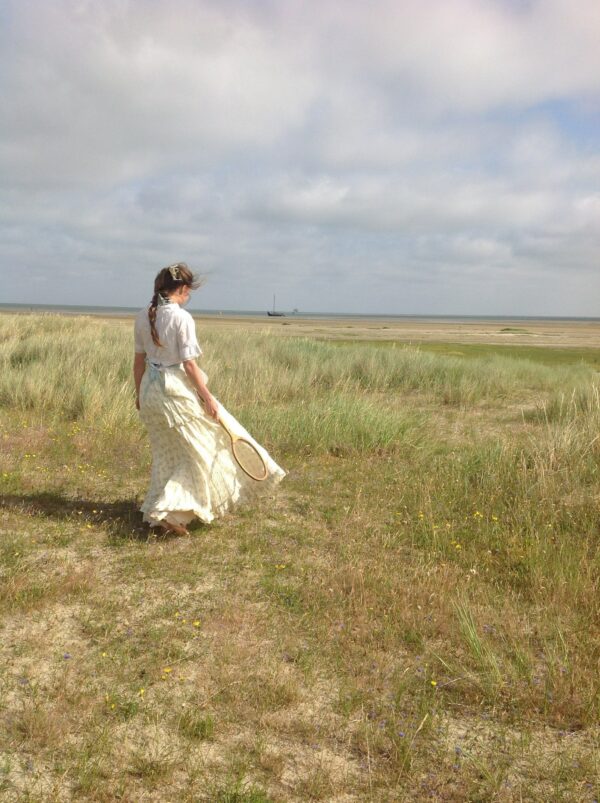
(157, 366)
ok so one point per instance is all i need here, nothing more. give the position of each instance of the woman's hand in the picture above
(197, 378)
(210, 405)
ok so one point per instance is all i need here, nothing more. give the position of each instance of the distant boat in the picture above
(273, 314)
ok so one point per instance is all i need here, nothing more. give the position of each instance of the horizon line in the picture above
(307, 313)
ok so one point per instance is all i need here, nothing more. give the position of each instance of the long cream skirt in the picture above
(194, 473)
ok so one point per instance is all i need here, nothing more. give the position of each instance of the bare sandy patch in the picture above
(557, 333)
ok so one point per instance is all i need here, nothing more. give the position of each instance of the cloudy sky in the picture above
(395, 156)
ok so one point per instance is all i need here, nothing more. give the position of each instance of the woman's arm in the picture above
(197, 379)
(139, 366)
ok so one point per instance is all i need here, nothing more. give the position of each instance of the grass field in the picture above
(414, 616)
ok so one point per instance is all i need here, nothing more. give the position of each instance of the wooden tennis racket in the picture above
(246, 455)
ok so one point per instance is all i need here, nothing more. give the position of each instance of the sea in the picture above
(126, 312)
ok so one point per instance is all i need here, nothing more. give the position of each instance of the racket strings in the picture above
(249, 459)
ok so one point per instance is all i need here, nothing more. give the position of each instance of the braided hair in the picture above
(167, 281)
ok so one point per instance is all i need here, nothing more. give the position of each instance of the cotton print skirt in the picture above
(194, 473)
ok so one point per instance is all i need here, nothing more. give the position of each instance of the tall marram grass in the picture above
(80, 369)
(568, 405)
(281, 368)
(68, 368)
(303, 395)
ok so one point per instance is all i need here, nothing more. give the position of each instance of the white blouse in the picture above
(176, 331)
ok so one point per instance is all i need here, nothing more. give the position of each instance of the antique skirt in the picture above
(194, 473)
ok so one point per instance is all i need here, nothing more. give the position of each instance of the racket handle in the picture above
(220, 421)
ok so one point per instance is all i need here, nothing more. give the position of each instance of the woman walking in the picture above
(194, 472)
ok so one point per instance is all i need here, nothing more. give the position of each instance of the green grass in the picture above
(414, 616)
(543, 355)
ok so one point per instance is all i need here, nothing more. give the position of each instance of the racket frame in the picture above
(234, 438)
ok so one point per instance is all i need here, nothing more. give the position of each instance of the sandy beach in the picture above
(554, 333)
(548, 332)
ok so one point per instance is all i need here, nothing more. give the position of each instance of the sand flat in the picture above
(548, 332)
(556, 333)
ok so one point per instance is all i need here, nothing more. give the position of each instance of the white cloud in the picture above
(113, 91)
(424, 144)
(473, 55)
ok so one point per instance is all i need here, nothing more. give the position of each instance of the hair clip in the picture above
(174, 271)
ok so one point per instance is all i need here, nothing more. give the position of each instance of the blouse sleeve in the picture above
(186, 338)
(138, 338)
